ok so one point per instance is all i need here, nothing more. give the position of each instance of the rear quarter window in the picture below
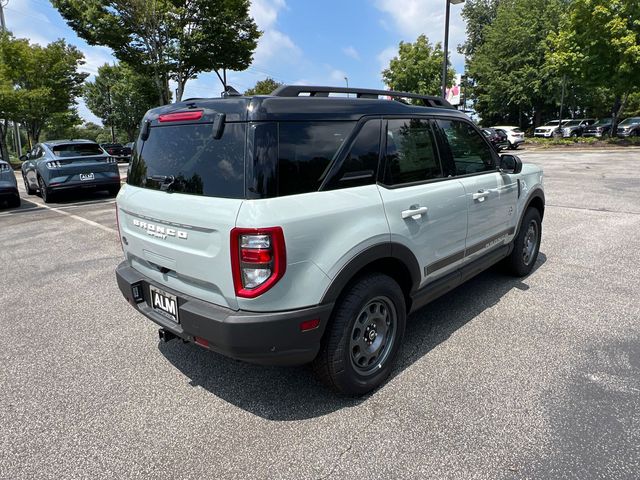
(305, 151)
(188, 159)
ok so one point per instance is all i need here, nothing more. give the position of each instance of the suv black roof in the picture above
(286, 103)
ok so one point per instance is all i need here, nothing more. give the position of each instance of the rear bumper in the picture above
(8, 190)
(96, 185)
(270, 338)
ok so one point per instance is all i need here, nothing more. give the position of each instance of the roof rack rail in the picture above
(317, 91)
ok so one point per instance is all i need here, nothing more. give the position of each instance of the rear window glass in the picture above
(305, 153)
(77, 150)
(188, 159)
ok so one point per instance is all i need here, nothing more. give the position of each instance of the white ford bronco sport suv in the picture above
(304, 227)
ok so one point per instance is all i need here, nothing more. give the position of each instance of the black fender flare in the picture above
(537, 193)
(372, 254)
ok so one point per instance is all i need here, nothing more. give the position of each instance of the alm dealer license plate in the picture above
(164, 303)
(87, 176)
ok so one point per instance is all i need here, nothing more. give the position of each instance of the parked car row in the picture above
(587, 127)
(121, 153)
(502, 137)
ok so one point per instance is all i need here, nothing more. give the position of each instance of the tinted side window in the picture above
(360, 167)
(305, 153)
(468, 150)
(411, 155)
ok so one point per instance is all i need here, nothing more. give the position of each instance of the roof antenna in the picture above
(229, 91)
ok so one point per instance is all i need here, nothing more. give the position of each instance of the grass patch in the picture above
(583, 142)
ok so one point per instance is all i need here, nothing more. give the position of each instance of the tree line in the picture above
(527, 59)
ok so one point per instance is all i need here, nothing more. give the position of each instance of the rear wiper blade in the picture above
(165, 181)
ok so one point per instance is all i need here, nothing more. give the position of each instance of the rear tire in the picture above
(113, 191)
(364, 336)
(526, 245)
(45, 193)
(14, 202)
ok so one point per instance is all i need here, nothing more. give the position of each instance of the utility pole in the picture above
(445, 61)
(3, 3)
(113, 130)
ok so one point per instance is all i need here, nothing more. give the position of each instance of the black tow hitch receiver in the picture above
(165, 335)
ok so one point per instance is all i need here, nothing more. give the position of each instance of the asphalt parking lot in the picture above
(502, 378)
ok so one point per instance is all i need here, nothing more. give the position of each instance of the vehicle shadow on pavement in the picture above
(294, 393)
(24, 205)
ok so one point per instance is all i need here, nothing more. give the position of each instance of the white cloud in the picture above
(265, 12)
(337, 76)
(350, 51)
(414, 17)
(273, 42)
(385, 56)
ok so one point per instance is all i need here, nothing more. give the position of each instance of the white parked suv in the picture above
(302, 227)
(515, 136)
(549, 129)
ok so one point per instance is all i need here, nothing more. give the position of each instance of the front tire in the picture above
(526, 245)
(364, 336)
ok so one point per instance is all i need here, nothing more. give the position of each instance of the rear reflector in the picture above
(309, 324)
(180, 116)
(201, 341)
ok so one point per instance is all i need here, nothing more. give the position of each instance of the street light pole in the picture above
(445, 62)
(346, 79)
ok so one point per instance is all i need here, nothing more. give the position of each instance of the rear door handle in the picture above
(415, 212)
(481, 195)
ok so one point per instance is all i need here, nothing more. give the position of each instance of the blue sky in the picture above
(304, 41)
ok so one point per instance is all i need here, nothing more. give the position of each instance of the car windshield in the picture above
(77, 150)
(602, 121)
(630, 121)
(572, 123)
(552, 123)
(516, 130)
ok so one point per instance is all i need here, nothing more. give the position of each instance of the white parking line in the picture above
(80, 219)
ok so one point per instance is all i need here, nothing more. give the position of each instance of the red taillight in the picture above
(258, 259)
(180, 116)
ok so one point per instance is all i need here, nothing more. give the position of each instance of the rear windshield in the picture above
(188, 159)
(77, 150)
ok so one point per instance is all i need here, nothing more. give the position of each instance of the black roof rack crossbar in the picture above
(316, 91)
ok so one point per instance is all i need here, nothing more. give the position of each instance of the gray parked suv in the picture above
(302, 227)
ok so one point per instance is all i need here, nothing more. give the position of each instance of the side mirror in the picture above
(510, 164)
(23, 158)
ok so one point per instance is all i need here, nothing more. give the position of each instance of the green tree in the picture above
(598, 44)
(168, 39)
(417, 68)
(512, 80)
(478, 14)
(120, 97)
(263, 87)
(38, 82)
